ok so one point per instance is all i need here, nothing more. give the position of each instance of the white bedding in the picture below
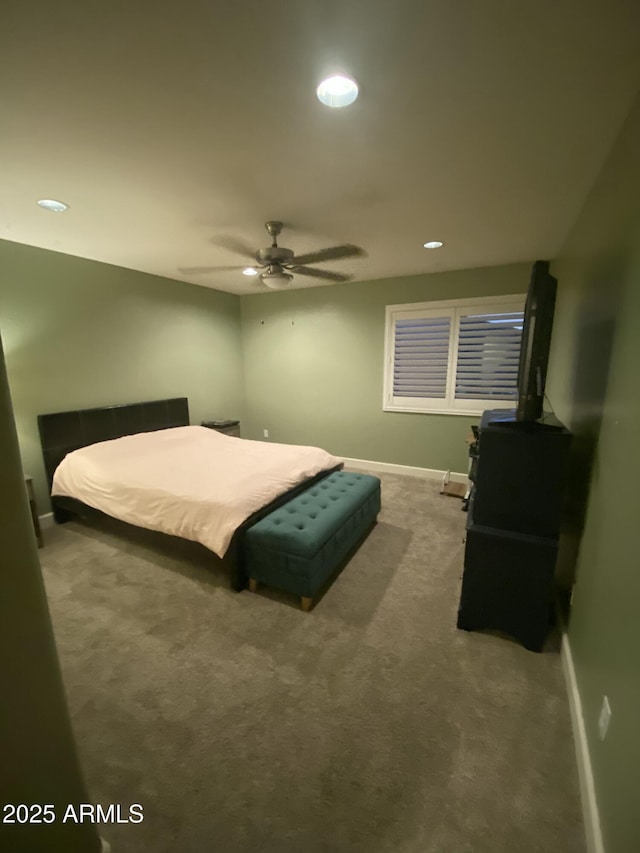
(189, 481)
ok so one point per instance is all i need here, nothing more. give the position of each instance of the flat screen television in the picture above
(536, 341)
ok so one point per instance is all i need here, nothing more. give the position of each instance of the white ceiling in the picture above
(167, 125)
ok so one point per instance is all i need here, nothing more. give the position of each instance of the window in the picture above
(458, 357)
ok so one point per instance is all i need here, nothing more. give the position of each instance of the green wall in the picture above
(78, 334)
(305, 364)
(314, 367)
(39, 756)
(594, 385)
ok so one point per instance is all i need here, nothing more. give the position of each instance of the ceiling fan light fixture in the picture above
(249, 271)
(337, 91)
(276, 280)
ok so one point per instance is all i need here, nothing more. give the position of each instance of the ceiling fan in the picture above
(279, 264)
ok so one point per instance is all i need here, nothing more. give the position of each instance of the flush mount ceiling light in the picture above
(434, 244)
(337, 91)
(53, 205)
(249, 271)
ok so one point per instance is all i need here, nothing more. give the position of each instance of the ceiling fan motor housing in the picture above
(274, 255)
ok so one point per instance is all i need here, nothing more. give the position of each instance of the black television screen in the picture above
(536, 341)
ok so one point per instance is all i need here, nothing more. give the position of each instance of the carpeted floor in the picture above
(243, 725)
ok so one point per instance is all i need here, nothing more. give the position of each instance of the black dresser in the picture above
(513, 525)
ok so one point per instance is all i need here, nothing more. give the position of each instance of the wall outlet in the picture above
(266, 433)
(603, 719)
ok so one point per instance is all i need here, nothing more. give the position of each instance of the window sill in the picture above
(474, 413)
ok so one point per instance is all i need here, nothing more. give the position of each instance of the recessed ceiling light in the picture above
(249, 271)
(337, 91)
(53, 205)
(434, 244)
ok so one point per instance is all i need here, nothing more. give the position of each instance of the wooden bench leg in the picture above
(306, 603)
(253, 584)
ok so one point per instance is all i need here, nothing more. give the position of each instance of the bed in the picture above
(105, 450)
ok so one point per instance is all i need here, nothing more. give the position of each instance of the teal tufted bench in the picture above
(298, 546)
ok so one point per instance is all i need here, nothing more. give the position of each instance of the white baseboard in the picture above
(408, 470)
(590, 813)
(46, 520)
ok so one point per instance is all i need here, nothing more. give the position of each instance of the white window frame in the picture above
(453, 308)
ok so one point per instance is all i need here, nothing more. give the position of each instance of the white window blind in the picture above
(488, 353)
(457, 357)
(421, 357)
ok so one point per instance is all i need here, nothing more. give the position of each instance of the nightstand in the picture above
(227, 427)
(34, 511)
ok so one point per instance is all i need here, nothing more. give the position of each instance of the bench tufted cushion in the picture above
(300, 544)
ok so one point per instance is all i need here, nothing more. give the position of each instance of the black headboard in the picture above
(62, 432)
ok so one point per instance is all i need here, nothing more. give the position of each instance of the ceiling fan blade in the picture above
(332, 253)
(239, 247)
(314, 273)
(202, 270)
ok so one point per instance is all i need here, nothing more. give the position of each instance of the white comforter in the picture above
(189, 481)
